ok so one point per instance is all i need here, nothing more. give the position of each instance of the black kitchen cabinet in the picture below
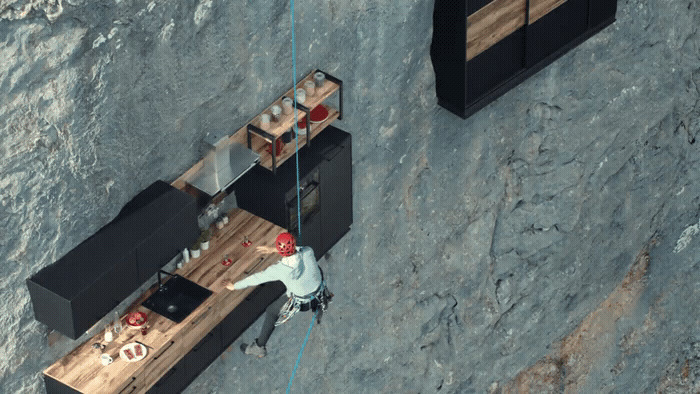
(53, 386)
(216, 341)
(555, 30)
(77, 290)
(335, 149)
(483, 48)
(174, 381)
(202, 354)
(248, 311)
(325, 173)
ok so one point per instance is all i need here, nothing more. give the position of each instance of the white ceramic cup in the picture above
(287, 105)
(301, 96)
(310, 88)
(106, 359)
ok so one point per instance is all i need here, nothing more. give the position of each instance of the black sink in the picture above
(176, 298)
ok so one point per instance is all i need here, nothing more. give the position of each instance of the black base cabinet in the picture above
(325, 173)
(174, 381)
(218, 340)
(468, 76)
(249, 311)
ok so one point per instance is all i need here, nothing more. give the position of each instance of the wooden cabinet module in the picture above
(483, 48)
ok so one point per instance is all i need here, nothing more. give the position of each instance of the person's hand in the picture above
(228, 284)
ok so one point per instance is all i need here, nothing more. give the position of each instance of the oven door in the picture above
(310, 208)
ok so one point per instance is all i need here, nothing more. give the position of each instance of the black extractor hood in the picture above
(81, 287)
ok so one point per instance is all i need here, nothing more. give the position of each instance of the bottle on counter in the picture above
(108, 333)
(117, 324)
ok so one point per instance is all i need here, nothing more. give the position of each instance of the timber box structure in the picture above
(483, 48)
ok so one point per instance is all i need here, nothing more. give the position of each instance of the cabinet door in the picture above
(105, 293)
(174, 381)
(203, 354)
(248, 311)
(601, 10)
(55, 387)
(165, 243)
(448, 53)
(495, 65)
(336, 197)
(551, 29)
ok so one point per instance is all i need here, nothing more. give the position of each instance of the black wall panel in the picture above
(555, 29)
(601, 11)
(475, 5)
(496, 65)
(448, 52)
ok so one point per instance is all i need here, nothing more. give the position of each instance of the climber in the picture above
(302, 277)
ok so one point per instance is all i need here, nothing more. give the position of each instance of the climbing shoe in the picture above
(254, 350)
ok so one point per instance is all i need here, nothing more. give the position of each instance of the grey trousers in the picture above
(271, 314)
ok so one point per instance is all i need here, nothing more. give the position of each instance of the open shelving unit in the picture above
(258, 140)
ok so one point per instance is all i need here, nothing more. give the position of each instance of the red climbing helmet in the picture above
(285, 243)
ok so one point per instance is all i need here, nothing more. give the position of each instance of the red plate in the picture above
(136, 319)
(318, 115)
(280, 146)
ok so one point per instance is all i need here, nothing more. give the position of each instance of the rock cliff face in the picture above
(550, 242)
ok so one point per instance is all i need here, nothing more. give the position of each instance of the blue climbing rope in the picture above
(296, 139)
(296, 116)
(301, 351)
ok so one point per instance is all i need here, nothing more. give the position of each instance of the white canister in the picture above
(225, 219)
(265, 121)
(276, 112)
(310, 88)
(319, 79)
(301, 96)
(185, 255)
(287, 105)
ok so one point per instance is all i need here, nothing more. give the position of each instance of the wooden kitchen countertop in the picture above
(168, 341)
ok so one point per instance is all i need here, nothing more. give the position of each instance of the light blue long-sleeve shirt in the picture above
(299, 273)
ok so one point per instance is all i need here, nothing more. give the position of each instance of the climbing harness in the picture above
(317, 301)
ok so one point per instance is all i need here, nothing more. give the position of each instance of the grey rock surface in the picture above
(549, 242)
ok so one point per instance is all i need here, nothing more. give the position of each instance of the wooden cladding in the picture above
(500, 18)
(492, 23)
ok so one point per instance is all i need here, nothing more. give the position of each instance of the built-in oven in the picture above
(310, 207)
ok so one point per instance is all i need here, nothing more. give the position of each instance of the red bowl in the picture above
(136, 319)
